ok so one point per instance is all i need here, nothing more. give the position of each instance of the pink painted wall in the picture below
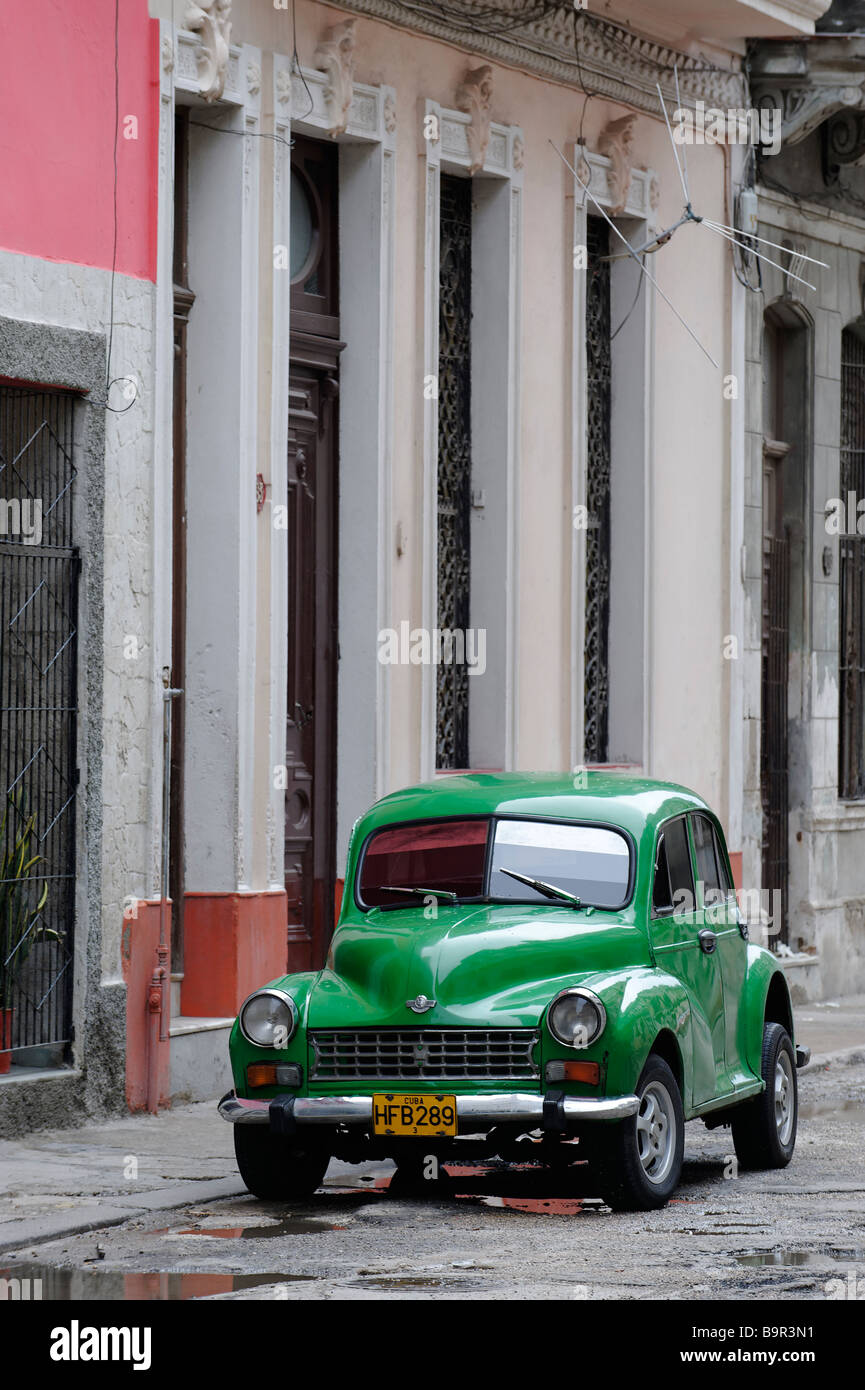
(57, 132)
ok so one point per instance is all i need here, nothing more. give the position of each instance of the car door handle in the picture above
(708, 941)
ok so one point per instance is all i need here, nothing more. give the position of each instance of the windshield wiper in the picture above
(445, 893)
(549, 890)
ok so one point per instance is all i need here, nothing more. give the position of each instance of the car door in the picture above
(680, 947)
(717, 897)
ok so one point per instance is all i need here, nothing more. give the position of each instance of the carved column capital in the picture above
(210, 19)
(616, 142)
(335, 56)
(474, 96)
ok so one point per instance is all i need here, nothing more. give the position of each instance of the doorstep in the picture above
(200, 1067)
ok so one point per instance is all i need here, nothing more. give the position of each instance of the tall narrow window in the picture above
(851, 643)
(454, 467)
(598, 403)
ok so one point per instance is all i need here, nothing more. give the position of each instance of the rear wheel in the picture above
(276, 1167)
(641, 1158)
(764, 1129)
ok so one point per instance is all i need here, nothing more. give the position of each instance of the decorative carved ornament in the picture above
(210, 18)
(167, 53)
(809, 82)
(389, 114)
(335, 57)
(474, 96)
(616, 142)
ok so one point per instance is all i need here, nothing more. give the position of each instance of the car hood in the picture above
(493, 965)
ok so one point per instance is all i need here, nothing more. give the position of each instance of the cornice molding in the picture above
(614, 63)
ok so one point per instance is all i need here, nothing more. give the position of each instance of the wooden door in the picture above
(310, 795)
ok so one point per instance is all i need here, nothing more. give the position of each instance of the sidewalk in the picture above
(59, 1182)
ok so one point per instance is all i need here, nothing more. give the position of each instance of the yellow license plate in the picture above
(414, 1115)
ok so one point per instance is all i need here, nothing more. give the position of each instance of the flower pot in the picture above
(5, 1040)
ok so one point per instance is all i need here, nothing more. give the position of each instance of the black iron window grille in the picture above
(596, 686)
(851, 645)
(39, 567)
(454, 463)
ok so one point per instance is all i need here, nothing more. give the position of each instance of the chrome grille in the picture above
(416, 1054)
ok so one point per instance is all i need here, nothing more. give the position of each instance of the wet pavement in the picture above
(152, 1208)
(486, 1230)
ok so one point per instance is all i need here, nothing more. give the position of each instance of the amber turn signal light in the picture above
(261, 1074)
(587, 1072)
(273, 1074)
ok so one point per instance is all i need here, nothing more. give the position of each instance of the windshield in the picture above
(467, 858)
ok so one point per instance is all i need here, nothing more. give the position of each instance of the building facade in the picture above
(385, 457)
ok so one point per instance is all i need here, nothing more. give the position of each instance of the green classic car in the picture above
(529, 959)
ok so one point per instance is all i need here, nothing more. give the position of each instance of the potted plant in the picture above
(19, 926)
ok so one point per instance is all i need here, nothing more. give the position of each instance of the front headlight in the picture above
(268, 1018)
(576, 1017)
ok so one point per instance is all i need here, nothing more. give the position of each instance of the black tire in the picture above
(275, 1167)
(627, 1180)
(764, 1129)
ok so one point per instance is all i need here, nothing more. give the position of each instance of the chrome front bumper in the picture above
(493, 1109)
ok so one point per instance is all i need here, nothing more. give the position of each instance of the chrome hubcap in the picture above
(656, 1132)
(785, 1097)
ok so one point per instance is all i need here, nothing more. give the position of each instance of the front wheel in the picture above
(764, 1129)
(641, 1158)
(276, 1167)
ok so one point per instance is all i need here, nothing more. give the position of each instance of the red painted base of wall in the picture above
(736, 866)
(232, 944)
(138, 957)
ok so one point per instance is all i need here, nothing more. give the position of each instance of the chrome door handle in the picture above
(708, 941)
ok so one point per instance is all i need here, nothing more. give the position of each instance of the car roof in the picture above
(604, 794)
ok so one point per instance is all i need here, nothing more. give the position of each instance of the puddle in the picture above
(409, 1282)
(292, 1226)
(95, 1285)
(537, 1206)
(777, 1257)
(366, 1183)
(790, 1258)
(813, 1109)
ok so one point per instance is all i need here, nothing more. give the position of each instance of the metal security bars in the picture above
(851, 643)
(598, 407)
(38, 693)
(454, 463)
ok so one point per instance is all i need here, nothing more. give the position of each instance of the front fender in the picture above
(640, 1003)
(765, 995)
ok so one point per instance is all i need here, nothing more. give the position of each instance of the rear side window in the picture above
(679, 865)
(711, 868)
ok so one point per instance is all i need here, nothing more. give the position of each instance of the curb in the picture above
(39, 1230)
(845, 1057)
